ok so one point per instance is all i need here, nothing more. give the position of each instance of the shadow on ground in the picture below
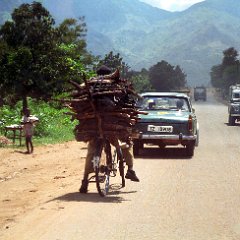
(237, 124)
(170, 153)
(112, 196)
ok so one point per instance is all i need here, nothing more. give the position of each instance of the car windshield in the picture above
(164, 103)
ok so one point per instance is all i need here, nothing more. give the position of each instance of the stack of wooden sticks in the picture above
(105, 106)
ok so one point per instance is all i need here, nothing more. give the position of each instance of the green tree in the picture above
(31, 26)
(141, 83)
(230, 66)
(231, 75)
(3, 51)
(73, 31)
(114, 62)
(71, 38)
(165, 77)
(230, 57)
(228, 72)
(30, 36)
(40, 58)
(5, 9)
(179, 78)
(216, 76)
(140, 80)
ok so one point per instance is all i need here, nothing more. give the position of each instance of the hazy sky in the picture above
(172, 5)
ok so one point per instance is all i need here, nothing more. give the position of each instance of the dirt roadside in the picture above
(27, 181)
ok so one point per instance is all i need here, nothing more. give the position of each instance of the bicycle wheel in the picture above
(121, 165)
(102, 171)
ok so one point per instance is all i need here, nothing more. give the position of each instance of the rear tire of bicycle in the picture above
(102, 180)
(121, 166)
(102, 172)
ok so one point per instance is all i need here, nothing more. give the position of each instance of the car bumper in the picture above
(179, 137)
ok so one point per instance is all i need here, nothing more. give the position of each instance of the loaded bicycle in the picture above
(105, 109)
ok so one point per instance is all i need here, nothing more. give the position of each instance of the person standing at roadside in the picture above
(28, 122)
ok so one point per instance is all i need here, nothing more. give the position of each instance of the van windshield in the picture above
(236, 94)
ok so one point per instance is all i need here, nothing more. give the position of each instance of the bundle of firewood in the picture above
(104, 107)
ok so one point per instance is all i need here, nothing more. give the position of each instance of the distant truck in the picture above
(200, 93)
(234, 104)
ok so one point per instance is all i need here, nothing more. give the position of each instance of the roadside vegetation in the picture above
(54, 125)
(227, 73)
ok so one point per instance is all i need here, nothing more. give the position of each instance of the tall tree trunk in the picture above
(24, 103)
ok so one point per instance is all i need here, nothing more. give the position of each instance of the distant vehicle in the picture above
(234, 104)
(171, 120)
(200, 93)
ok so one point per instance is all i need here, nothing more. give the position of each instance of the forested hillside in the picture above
(144, 35)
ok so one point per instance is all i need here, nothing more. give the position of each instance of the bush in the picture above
(54, 126)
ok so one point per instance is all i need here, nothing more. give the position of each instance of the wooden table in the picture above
(14, 132)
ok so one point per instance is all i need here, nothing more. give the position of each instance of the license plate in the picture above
(152, 128)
